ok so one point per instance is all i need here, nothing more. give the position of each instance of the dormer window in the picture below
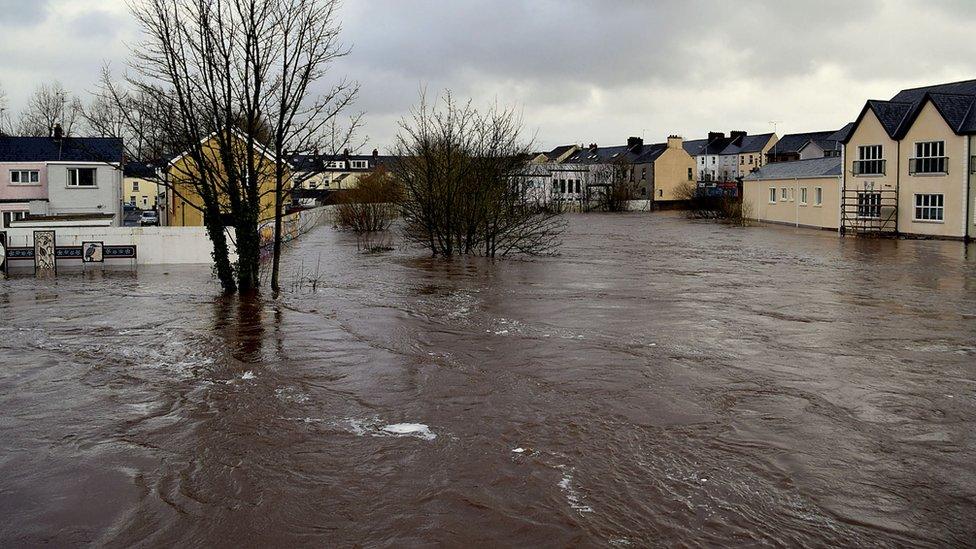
(929, 158)
(337, 165)
(359, 164)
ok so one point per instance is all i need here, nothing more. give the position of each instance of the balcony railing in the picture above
(870, 167)
(937, 165)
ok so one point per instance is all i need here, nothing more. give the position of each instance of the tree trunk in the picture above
(225, 272)
(248, 256)
(276, 251)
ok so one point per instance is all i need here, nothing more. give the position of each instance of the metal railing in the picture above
(870, 167)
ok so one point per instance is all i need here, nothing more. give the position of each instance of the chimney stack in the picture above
(376, 153)
(57, 132)
(712, 136)
(635, 144)
(675, 142)
(737, 135)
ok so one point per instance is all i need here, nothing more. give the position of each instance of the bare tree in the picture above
(225, 84)
(50, 106)
(301, 45)
(4, 112)
(462, 175)
(611, 185)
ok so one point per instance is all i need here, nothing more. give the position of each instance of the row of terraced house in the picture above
(906, 166)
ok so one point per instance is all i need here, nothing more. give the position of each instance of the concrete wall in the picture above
(105, 197)
(154, 245)
(793, 210)
(671, 172)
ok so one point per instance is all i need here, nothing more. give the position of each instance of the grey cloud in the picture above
(23, 12)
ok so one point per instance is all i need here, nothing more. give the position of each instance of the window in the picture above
(359, 164)
(660, 193)
(691, 174)
(562, 186)
(81, 177)
(337, 165)
(12, 216)
(751, 159)
(643, 191)
(643, 174)
(713, 160)
(929, 207)
(132, 200)
(803, 196)
(772, 195)
(742, 160)
(782, 194)
(24, 177)
(577, 186)
(818, 196)
(972, 164)
(135, 186)
(929, 158)
(869, 205)
(869, 160)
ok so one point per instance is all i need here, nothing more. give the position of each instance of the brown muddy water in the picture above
(661, 382)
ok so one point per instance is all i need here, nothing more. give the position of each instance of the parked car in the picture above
(149, 217)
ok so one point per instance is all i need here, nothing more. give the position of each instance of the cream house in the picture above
(802, 193)
(139, 185)
(908, 164)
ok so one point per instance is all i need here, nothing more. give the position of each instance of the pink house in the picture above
(59, 176)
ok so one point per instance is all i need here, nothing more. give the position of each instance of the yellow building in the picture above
(139, 186)
(662, 170)
(908, 164)
(184, 204)
(802, 193)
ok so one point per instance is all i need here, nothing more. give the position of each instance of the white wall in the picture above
(154, 245)
(105, 197)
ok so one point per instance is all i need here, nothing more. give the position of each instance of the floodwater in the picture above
(662, 382)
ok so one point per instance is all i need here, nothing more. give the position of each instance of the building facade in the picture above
(802, 193)
(140, 188)
(909, 167)
(58, 177)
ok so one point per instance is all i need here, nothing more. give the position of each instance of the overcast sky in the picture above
(579, 70)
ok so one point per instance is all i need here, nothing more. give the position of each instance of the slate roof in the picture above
(558, 151)
(747, 144)
(604, 155)
(955, 101)
(695, 146)
(793, 142)
(727, 145)
(142, 170)
(841, 134)
(68, 149)
(798, 169)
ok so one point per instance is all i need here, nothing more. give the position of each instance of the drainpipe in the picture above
(796, 200)
(967, 178)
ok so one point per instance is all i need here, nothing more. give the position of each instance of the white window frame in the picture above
(803, 196)
(359, 164)
(818, 196)
(928, 154)
(871, 205)
(135, 186)
(337, 165)
(772, 195)
(930, 206)
(871, 153)
(782, 194)
(33, 177)
(74, 172)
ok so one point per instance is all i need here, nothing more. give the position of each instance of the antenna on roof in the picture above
(775, 123)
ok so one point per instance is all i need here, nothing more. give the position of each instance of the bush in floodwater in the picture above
(372, 206)
(729, 209)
